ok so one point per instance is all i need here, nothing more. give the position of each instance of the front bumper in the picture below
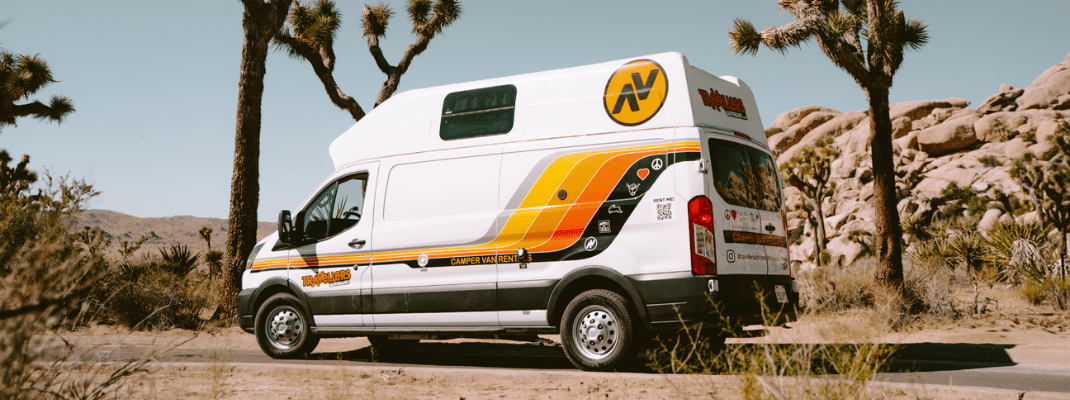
(245, 314)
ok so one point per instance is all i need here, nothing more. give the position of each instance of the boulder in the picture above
(1041, 150)
(786, 119)
(1002, 101)
(1046, 89)
(955, 134)
(992, 128)
(851, 206)
(833, 128)
(844, 166)
(770, 131)
(1061, 103)
(988, 220)
(900, 127)
(1015, 148)
(833, 223)
(910, 141)
(859, 225)
(1000, 179)
(1045, 130)
(856, 140)
(1027, 217)
(918, 109)
(844, 251)
(792, 135)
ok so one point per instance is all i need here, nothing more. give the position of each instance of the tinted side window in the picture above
(478, 112)
(348, 204)
(336, 209)
(744, 176)
(318, 214)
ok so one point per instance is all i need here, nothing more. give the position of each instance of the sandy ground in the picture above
(1032, 335)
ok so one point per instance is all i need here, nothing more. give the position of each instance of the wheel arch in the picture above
(275, 286)
(587, 278)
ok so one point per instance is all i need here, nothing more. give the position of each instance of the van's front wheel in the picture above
(282, 328)
(598, 331)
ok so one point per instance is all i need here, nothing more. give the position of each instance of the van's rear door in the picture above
(744, 187)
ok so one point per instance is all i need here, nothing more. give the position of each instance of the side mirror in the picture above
(286, 228)
(290, 232)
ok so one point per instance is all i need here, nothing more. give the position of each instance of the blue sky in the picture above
(155, 82)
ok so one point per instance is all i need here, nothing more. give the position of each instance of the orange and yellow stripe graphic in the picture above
(588, 177)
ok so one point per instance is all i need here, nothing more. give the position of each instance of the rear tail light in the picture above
(703, 248)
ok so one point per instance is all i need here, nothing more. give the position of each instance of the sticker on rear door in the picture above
(663, 209)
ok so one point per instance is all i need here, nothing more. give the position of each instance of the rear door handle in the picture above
(770, 228)
(357, 243)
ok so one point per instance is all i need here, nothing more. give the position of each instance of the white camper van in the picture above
(605, 203)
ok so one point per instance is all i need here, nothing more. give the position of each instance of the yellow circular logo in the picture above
(635, 92)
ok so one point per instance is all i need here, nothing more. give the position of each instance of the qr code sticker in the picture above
(664, 211)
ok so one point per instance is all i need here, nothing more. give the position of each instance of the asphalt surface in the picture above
(959, 365)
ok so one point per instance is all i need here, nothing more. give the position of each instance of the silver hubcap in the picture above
(285, 328)
(596, 333)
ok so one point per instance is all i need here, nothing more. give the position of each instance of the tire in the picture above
(598, 332)
(283, 329)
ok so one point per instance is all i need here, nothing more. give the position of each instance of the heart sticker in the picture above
(643, 173)
(733, 214)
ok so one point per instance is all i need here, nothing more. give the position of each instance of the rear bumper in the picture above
(737, 301)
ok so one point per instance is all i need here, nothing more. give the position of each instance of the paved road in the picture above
(989, 366)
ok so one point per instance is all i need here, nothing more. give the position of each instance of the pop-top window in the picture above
(744, 176)
(478, 112)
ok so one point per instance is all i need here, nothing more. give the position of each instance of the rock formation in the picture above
(937, 142)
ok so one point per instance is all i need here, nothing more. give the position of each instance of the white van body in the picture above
(492, 207)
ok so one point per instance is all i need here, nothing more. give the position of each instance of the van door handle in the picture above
(357, 243)
(770, 228)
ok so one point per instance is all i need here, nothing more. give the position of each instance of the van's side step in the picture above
(488, 332)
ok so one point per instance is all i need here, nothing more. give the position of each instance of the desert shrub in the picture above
(931, 251)
(1033, 291)
(967, 248)
(150, 293)
(926, 294)
(45, 273)
(780, 371)
(990, 161)
(178, 259)
(926, 297)
(917, 227)
(999, 242)
(832, 289)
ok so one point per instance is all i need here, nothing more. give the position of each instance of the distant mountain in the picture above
(161, 232)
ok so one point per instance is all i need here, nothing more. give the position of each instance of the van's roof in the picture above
(557, 103)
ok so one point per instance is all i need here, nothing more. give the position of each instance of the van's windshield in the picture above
(744, 176)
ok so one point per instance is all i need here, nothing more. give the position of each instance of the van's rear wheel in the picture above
(282, 328)
(598, 331)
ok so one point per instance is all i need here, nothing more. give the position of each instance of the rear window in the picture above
(744, 176)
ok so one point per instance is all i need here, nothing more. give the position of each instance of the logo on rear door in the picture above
(635, 92)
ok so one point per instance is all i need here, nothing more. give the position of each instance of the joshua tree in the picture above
(313, 28)
(20, 77)
(867, 39)
(260, 22)
(211, 257)
(810, 172)
(1048, 184)
(16, 181)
